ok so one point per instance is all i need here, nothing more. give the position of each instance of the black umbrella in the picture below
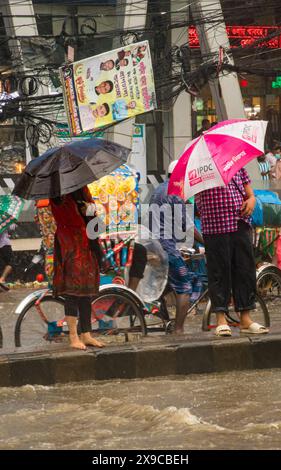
(62, 170)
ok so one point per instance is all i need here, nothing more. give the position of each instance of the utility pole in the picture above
(225, 89)
(16, 25)
(181, 114)
(130, 17)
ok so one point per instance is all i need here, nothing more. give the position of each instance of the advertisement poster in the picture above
(137, 158)
(108, 88)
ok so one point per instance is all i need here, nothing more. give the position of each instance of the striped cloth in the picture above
(264, 168)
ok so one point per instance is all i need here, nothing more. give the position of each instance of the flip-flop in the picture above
(223, 330)
(255, 329)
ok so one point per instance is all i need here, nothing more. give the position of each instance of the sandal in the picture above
(223, 330)
(255, 329)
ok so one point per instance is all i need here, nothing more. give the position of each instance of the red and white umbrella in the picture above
(214, 158)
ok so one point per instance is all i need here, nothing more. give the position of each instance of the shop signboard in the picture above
(244, 36)
(107, 88)
(276, 83)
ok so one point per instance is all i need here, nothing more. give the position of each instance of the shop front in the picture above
(261, 94)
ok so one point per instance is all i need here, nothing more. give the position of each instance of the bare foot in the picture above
(76, 343)
(88, 340)
(178, 332)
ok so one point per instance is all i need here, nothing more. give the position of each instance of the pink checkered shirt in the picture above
(220, 208)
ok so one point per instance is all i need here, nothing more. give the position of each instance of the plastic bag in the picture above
(267, 211)
(266, 196)
(257, 215)
(156, 271)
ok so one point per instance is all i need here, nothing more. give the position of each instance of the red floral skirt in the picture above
(76, 270)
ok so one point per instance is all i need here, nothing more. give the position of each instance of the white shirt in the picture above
(4, 237)
(86, 117)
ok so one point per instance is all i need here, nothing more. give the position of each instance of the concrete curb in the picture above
(141, 361)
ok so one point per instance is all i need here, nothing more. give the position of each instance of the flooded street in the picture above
(231, 410)
(239, 410)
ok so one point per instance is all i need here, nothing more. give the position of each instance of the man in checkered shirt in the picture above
(225, 214)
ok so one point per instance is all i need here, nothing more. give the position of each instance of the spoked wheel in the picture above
(118, 316)
(269, 288)
(170, 327)
(161, 318)
(39, 324)
(259, 315)
(157, 316)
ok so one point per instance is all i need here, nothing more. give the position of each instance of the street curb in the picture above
(141, 361)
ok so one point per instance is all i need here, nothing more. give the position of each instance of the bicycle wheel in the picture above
(34, 329)
(161, 313)
(259, 315)
(165, 318)
(269, 288)
(116, 313)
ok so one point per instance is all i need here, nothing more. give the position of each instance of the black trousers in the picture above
(79, 307)
(6, 255)
(231, 269)
(138, 262)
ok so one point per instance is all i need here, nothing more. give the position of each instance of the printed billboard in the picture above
(108, 88)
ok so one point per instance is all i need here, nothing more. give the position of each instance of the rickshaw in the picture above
(118, 312)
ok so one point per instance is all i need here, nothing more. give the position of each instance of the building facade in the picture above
(58, 24)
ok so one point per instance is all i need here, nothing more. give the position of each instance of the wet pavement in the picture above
(57, 398)
(154, 355)
(193, 327)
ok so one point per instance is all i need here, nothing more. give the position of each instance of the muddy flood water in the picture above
(240, 410)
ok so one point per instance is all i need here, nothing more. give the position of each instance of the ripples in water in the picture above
(239, 410)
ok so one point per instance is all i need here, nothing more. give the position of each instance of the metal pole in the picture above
(16, 25)
(225, 89)
(127, 20)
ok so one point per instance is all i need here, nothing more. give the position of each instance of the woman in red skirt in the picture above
(76, 271)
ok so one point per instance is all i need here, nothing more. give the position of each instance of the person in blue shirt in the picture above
(169, 223)
(120, 109)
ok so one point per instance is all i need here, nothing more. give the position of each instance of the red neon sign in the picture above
(243, 36)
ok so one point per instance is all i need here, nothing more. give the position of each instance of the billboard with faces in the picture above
(108, 88)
